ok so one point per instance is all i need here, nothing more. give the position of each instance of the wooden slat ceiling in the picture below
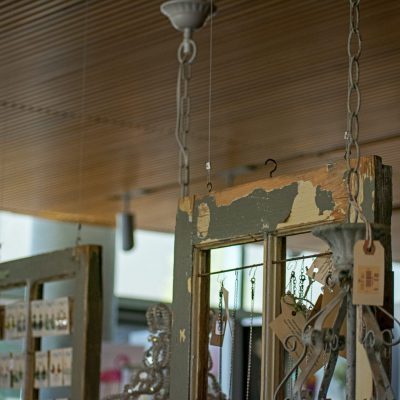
(88, 99)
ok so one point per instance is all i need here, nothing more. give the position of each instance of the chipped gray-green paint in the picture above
(181, 306)
(260, 211)
(367, 204)
(324, 200)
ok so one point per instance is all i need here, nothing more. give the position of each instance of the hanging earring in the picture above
(250, 349)
(302, 280)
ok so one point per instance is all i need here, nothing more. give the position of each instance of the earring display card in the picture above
(62, 312)
(56, 367)
(37, 318)
(5, 370)
(67, 366)
(11, 312)
(51, 317)
(41, 369)
(17, 370)
(21, 317)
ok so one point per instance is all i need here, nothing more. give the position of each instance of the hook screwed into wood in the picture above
(271, 160)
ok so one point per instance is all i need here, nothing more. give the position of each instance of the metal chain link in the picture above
(233, 333)
(293, 281)
(186, 54)
(353, 107)
(220, 330)
(253, 283)
(352, 154)
(302, 280)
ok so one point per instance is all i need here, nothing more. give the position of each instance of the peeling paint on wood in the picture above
(324, 200)
(189, 285)
(305, 207)
(366, 198)
(182, 335)
(186, 205)
(259, 211)
(274, 203)
(203, 220)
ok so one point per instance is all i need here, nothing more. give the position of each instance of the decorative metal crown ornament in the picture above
(153, 377)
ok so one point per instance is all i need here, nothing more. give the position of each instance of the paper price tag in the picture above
(218, 331)
(220, 321)
(320, 269)
(292, 323)
(369, 274)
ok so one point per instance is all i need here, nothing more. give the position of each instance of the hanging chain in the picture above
(186, 54)
(220, 329)
(302, 280)
(233, 327)
(293, 283)
(253, 283)
(352, 154)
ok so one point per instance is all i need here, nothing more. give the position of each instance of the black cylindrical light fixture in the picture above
(126, 227)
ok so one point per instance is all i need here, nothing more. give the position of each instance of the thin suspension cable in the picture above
(208, 164)
(82, 120)
(2, 171)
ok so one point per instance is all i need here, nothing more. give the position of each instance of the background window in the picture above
(146, 271)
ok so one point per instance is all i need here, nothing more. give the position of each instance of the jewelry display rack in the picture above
(267, 210)
(82, 267)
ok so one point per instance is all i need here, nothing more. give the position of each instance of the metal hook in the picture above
(252, 273)
(221, 280)
(275, 166)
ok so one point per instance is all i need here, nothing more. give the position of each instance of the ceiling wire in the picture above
(208, 163)
(2, 171)
(68, 114)
(82, 121)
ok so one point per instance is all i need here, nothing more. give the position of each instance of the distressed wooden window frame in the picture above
(82, 266)
(269, 210)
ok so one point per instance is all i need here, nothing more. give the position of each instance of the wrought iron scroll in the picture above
(153, 377)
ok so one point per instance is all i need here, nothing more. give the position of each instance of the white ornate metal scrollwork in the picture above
(153, 377)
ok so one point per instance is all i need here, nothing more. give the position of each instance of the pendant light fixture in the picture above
(126, 224)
